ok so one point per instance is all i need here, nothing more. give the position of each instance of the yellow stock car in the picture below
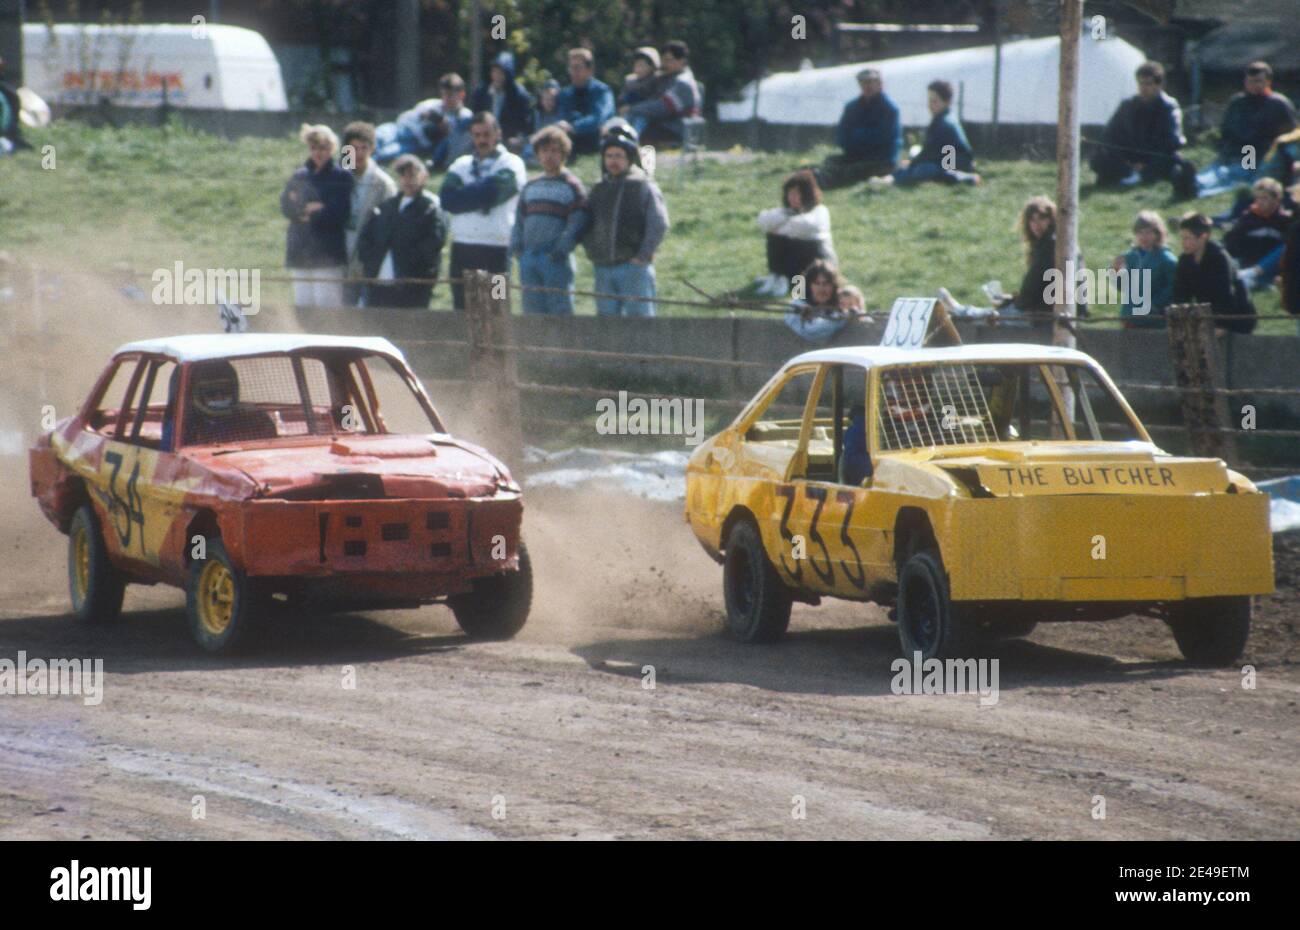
(977, 490)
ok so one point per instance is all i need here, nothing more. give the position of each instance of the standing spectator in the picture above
(1207, 274)
(628, 222)
(946, 154)
(645, 82)
(436, 129)
(1257, 238)
(371, 186)
(1140, 143)
(547, 112)
(552, 214)
(316, 202)
(1253, 120)
(480, 192)
(403, 238)
(506, 99)
(798, 233)
(821, 314)
(1151, 258)
(659, 119)
(870, 135)
(586, 104)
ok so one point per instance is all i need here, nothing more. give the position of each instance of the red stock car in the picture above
(252, 468)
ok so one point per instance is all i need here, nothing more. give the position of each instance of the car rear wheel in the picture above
(1211, 631)
(758, 601)
(498, 606)
(928, 621)
(219, 601)
(95, 584)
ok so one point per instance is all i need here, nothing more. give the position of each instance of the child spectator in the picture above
(869, 135)
(547, 111)
(1207, 274)
(644, 83)
(316, 202)
(1257, 238)
(371, 186)
(819, 315)
(506, 99)
(1253, 120)
(628, 222)
(659, 120)
(586, 104)
(403, 238)
(551, 215)
(946, 154)
(1141, 141)
(1150, 258)
(480, 192)
(798, 233)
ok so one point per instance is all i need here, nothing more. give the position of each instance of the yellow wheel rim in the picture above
(81, 563)
(216, 598)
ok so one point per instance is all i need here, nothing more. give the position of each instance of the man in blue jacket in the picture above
(870, 135)
(1253, 120)
(1141, 141)
(586, 104)
(946, 154)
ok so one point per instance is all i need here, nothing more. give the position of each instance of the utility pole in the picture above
(11, 40)
(1067, 169)
(475, 46)
(406, 52)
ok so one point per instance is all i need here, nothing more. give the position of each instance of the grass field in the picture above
(146, 197)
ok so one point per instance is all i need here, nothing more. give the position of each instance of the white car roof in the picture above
(199, 347)
(875, 356)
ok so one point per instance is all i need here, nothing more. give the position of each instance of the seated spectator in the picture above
(551, 216)
(1253, 120)
(403, 238)
(1257, 238)
(547, 111)
(371, 186)
(946, 154)
(586, 104)
(436, 129)
(628, 222)
(1150, 258)
(818, 316)
(870, 135)
(1140, 143)
(506, 99)
(645, 82)
(1206, 274)
(798, 233)
(658, 120)
(316, 201)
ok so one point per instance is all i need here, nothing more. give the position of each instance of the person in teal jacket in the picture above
(1144, 307)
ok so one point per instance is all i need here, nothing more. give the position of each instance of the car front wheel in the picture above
(758, 601)
(95, 584)
(498, 606)
(928, 621)
(1211, 631)
(218, 601)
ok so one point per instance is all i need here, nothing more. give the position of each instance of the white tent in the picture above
(1027, 94)
(209, 67)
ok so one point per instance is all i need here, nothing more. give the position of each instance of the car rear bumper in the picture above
(1109, 547)
(422, 547)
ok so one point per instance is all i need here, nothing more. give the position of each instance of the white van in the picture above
(198, 67)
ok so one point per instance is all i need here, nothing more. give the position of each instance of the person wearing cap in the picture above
(586, 104)
(870, 135)
(659, 120)
(628, 222)
(481, 191)
(644, 83)
(506, 99)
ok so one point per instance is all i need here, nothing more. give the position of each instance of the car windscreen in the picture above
(286, 396)
(954, 404)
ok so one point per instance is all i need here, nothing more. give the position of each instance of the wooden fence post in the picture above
(1193, 352)
(493, 373)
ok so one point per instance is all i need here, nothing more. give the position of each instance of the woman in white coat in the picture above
(798, 233)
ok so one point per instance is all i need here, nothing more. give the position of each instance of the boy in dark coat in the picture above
(1140, 143)
(1206, 274)
(403, 239)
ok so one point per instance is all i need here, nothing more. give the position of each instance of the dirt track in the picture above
(558, 725)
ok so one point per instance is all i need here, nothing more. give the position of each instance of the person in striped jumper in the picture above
(551, 215)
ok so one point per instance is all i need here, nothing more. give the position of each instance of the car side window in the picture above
(104, 416)
(147, 420)
(780, 415)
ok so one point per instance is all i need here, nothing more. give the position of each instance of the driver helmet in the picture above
(215, 391)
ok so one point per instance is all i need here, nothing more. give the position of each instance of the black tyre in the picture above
(219, 600)
(1211, 631)
(94, 583)
(498, 606)
(758, 601)
(928, 622)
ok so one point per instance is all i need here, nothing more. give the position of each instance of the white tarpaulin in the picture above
(816, 96)
(214, 67)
